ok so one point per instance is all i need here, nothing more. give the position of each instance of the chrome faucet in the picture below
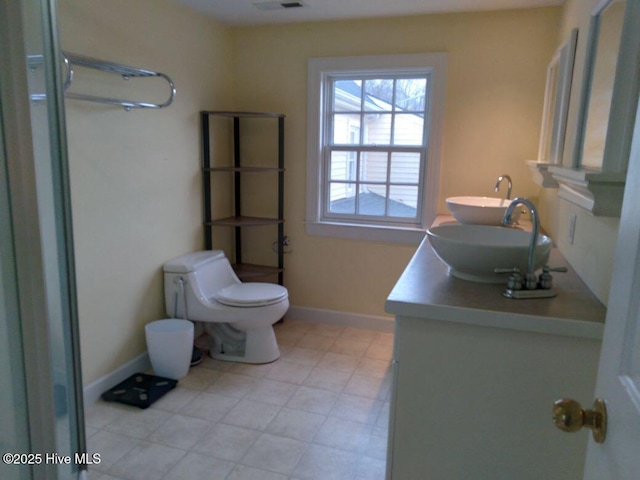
(530, 281)
(509, 185)
(532, 287)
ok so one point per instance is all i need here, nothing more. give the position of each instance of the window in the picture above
(374, 139)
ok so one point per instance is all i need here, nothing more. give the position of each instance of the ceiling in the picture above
(259, 12)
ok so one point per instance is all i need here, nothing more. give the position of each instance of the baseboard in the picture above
(141, 363)
(346, 319)
(93, 391)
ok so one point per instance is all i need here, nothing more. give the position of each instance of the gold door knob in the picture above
(569, 416)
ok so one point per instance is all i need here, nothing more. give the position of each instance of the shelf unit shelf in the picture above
(244, 169)
(238, 221)
(244, 222)
(252, 271)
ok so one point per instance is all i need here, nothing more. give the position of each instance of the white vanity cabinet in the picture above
(476, 375)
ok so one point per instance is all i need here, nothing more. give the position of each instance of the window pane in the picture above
(411, 94)
(408, 129)
(370, 150)
(347, 95)
(342, 198)
(403, 201)
(405, 167)
(346, 129)
(373, 166)
(378, 95)
(372, 199)
(343, 165)
(377, 129)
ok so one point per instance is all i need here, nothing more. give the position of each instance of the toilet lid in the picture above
(251, 294)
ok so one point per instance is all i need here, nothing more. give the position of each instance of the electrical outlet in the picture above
(572, 228)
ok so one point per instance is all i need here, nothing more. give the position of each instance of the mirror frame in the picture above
(600, 190)
(554, 121)
(555, 112)
(587, 84)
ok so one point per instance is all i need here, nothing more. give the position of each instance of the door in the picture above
(14, 434)
(41, 400)
(618, 457)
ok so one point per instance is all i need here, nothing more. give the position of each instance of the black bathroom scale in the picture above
(139, 390)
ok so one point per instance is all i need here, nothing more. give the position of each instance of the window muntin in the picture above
(319, 219)
(378, 124)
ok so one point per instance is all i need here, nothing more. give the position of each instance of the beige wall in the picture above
(593, 250)
(135, 176)
(495, 88)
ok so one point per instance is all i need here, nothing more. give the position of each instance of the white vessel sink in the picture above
(479, 210)
(472, 252)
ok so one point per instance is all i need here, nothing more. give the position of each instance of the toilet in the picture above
(239, 317)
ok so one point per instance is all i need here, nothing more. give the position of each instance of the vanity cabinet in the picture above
(476, 375)
(243, 151)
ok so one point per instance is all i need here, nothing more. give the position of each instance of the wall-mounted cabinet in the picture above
(595, 177)
(242, 152)
(555, 112)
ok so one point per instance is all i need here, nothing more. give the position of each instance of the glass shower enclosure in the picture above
(41, 413)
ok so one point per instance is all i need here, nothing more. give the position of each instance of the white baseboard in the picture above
(141, 363)
(93, 391)
(346, 319)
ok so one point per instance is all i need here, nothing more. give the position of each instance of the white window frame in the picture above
(319, 70)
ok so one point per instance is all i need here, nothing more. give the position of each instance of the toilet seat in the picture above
(251, 294)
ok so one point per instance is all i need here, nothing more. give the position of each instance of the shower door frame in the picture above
(35, 160)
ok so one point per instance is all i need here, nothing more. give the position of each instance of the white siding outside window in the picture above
(374, 145)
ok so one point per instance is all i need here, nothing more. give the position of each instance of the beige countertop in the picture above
(426, 290)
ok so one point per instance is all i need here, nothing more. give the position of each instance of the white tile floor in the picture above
(318, 413)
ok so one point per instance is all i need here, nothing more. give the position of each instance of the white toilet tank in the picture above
(205, 273)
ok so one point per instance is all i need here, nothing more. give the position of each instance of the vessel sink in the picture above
(473, 252)
(479, 210)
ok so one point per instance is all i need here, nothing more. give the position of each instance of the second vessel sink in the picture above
(478, 210)
(472, 252)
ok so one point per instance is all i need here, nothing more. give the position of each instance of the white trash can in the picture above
(170, 346)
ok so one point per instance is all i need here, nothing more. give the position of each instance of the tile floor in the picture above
(320, 412)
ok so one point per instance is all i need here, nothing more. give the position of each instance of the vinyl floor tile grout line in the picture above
(323, 403)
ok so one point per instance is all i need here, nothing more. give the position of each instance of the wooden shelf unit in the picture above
(239, 221)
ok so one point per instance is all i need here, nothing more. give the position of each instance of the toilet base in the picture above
(259, 346)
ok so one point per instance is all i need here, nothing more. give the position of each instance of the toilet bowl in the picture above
(202, 287)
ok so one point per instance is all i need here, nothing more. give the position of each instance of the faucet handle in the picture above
(547, 269)
(506, 270)
(515, 281)
(546, 280)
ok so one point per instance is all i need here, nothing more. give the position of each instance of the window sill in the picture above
(374, 233)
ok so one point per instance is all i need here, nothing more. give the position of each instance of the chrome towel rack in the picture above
(127, 72)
